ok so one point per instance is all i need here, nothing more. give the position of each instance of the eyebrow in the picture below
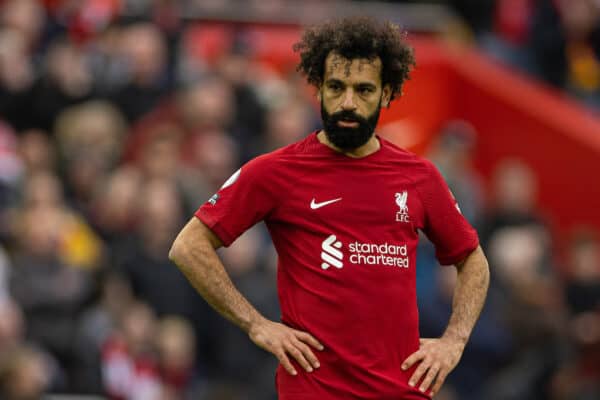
(359, 84)
(334, 80)
(366, 85)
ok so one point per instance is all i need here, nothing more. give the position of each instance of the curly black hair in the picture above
(356, 37)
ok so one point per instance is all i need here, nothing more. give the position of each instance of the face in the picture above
(351, 97)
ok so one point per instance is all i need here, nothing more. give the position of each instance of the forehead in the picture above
(356, 69)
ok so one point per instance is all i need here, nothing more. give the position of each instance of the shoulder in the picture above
(276, 162)
(419, 166)
(284, 154)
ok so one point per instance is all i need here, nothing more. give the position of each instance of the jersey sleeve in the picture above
(452, 235)
(244, 199)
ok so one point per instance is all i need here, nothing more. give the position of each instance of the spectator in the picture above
(12, 325)
(75, 242)
(215, 155)
(114, 209)
(510, 34)
(17, 77)
(514, 198)
(106, 61)
(203, 107)
(583, 274)
(285, 121)
(490, 343)
(176, 343)
(25, 370)
(533, 310)
(26, 17)
(37, 152)
(50, 291)
(453, 155)
(48, 278)
(89, 138)
(159, 211)
(579, 375)
(153, 278)
(24, 374)
(67, 81)
(94, 328)
(145, 55)
(243, 366)
(160, 159)
(207, 105)
(11, 172)
(129, 365)
(555, 40)
(566, 46)
(237, 69)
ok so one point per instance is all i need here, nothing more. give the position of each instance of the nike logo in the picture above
(314, 205)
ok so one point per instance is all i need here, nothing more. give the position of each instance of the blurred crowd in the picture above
(538, 336)
(113, 130)
(556, 41)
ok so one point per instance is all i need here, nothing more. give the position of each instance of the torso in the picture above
(346, 234)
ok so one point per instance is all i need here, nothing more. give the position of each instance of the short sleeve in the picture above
(243, 200)
(452, 235)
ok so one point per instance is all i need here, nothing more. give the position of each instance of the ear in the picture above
(319, 93)
(386, 95)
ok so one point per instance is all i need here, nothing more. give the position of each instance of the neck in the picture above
(366, 149)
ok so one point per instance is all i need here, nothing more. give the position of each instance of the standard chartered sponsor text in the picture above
(379, 254)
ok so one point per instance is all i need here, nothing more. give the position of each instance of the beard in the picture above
(349, 138)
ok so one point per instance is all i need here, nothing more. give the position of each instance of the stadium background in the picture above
(119, 117)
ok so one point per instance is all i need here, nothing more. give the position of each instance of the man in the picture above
(343, 208)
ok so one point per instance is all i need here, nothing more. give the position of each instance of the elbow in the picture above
(192, 245)
(485, 272)
(476, 267)
(175, 252)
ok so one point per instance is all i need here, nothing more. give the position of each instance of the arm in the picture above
(438, 357)
(194, 254)
(473, 278)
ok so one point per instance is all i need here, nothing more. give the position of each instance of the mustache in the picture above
(347, 116)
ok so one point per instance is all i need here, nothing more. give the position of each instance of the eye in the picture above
(365, 90)
(336, 87)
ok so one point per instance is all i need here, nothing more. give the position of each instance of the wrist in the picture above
(458, 339)
(254, 323)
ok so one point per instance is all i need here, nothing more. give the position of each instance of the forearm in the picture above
(469, 295)
(202, 267)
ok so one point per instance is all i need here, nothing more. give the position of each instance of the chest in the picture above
(365, 200)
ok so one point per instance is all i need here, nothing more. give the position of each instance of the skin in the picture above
(347, 85)
(356, 85)
(193, 252)
(437, 357)
(353, 85)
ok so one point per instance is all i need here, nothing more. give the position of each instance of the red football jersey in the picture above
(346, 231)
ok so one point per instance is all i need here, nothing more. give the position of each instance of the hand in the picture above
(438, 358)
(281, 340)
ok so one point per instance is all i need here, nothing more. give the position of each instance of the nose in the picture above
(348, 103)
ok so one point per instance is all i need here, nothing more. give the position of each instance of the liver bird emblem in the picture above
(401, 199)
